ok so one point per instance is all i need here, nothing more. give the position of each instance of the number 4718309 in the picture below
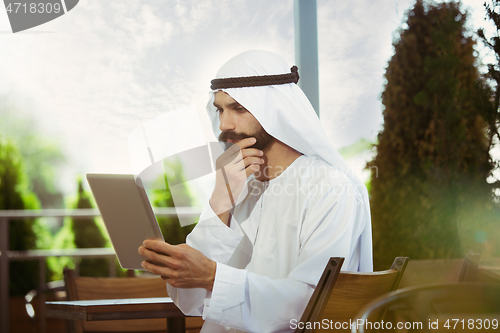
(471, 324)
(23, 7)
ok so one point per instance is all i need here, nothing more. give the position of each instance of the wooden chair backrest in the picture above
(473, 272)
(485, 273)
(469, 268)
(339, 300)
(426, 271)
(87, 288)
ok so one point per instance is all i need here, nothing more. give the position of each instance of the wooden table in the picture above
(119, 309)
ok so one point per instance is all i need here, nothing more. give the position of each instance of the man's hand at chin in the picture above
(181, 266)
(234, 166)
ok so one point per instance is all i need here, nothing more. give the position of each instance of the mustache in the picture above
(233, 136)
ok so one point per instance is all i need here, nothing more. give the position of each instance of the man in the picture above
(283, 204)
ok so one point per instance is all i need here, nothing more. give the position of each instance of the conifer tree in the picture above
(432, 154)
(171, 229)
(15, 194)
(493, 75)
(88, 235)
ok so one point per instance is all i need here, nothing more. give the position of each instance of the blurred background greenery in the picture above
(27, 181)
(433, 185)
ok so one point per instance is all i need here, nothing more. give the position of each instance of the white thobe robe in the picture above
(279, 241)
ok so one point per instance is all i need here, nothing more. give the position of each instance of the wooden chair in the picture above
(469, 268)
(427, 271)
(434, 308)
(473, 272)
(88, 288)
(340, 295)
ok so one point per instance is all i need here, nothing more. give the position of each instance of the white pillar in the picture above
(306, 48)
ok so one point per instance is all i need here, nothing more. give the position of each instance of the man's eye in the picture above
(219, 110)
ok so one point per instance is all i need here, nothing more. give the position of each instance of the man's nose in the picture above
(226, 122)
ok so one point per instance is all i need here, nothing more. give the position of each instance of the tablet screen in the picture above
(127, 215)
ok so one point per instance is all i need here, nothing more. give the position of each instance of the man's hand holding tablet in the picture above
(181, 266)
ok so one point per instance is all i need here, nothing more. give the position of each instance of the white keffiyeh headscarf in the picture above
(284, 112)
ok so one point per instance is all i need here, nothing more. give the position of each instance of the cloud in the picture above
(355, 43)
(108, 66)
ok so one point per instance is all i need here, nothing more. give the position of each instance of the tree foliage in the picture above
(170, 227)
(87, 234)
(433, 152)
(41, 155)
(493, 75)
(15, 194)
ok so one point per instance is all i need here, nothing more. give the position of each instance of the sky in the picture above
(93, 75)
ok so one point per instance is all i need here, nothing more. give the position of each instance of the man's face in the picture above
(236, 123)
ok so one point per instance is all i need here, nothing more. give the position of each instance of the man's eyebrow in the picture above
(233, 104)
(230, 105)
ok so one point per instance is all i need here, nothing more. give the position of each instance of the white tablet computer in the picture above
(127, 214)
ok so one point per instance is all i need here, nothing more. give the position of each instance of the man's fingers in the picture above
(252, 169)
(251, 152)
(240, 145)
(157, 270)
(247, 142)
(158, 258)
(252, 160)
(233, 152)
(236, 153)
(233, 169)
(232, 155)
(159, 246)
(189, 269)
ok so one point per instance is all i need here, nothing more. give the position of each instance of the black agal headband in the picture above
(255, 81)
